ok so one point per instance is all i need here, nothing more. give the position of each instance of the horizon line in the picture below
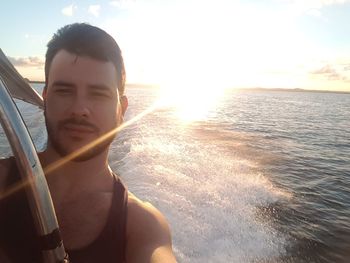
(232, 88)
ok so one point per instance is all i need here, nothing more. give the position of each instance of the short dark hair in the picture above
(86, 40)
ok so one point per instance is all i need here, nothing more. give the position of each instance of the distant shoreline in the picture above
(136, 85)
(35, 81)
(292, 90)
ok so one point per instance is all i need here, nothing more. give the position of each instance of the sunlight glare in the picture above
(241, 45)
(191, 100)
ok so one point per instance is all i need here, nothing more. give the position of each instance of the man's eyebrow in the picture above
(101, 87)
(63, 83)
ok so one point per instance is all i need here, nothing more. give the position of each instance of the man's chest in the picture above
(82, 220)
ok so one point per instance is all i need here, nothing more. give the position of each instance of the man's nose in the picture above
(80, 107)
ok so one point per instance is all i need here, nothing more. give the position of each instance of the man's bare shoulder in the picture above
(143, 215)
(139, 210)
(148, 233)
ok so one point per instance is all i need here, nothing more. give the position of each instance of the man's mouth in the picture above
(78, 128)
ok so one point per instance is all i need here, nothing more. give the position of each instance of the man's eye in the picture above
(63, 91)
(99, 94)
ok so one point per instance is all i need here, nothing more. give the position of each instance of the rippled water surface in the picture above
(263, 177)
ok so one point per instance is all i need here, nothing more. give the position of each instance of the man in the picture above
(84, 100)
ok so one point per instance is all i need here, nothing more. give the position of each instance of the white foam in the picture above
(209, 195)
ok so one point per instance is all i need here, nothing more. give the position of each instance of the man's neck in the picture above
(73, 178)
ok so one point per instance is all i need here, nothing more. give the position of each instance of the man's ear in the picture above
(124, 104)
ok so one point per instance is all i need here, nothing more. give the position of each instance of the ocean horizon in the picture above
(141, 85)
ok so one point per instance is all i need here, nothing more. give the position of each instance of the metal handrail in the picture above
(32, 174)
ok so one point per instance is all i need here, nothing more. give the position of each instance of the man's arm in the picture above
(148, 234)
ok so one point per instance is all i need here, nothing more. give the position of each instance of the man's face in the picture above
(81, 103)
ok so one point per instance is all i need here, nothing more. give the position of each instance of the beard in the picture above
(58, 145)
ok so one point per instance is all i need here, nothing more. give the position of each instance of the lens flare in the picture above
(59, 163)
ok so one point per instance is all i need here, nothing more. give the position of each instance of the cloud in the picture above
(311, 7)
(330, 73)
(123, 4)
(316, 3)
(69, 10)
(345, 65)
(27, 62)
(94, 10)
(115, 3)
(314, 12)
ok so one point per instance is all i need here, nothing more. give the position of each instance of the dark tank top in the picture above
(19, 242)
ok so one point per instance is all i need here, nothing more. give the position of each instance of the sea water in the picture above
(263, 177)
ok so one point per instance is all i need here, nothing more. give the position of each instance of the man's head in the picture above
(85, 40)
(84, 81)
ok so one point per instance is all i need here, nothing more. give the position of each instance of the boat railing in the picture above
(33, 177)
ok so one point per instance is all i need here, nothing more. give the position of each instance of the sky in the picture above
(219, 43)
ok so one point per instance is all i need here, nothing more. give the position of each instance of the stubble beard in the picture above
(55, 142)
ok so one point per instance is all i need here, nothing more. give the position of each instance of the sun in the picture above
(191, 100)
